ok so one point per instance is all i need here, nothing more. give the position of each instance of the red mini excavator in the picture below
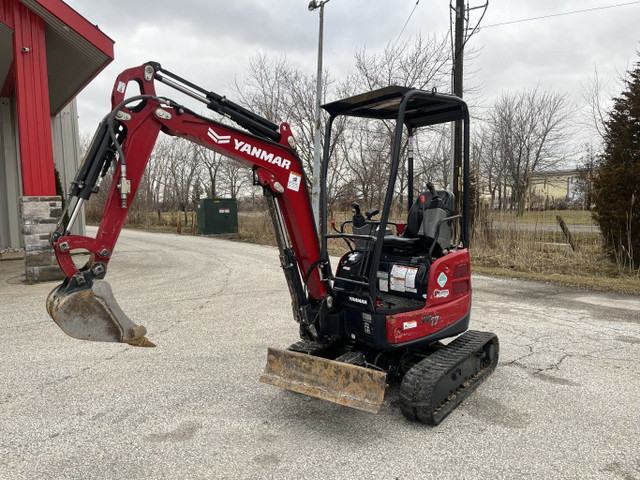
(378, 317)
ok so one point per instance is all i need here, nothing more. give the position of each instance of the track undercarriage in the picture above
(433, 380)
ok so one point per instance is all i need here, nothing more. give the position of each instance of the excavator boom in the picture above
(83, 305)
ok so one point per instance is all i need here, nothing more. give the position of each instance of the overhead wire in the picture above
(604, 7)
(467, 36)
(407, 22)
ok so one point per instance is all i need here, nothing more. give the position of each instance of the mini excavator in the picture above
(380, 316)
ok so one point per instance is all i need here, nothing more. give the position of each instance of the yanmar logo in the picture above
(249, 149)
(261, 154)
(221, 139)
(362, 301)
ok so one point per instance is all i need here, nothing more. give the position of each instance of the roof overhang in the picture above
(76, 50)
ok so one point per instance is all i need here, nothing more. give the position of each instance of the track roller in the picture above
(436, 385)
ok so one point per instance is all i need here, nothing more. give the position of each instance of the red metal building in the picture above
(48, 53)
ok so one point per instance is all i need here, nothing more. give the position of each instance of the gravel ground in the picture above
(564, 402)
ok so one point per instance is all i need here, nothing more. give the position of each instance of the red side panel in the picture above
(448, 300)
(6, 12)
(32, 99)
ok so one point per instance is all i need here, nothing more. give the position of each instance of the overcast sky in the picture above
(210, 42)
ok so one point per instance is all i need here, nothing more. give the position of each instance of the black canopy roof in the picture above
(423, 108)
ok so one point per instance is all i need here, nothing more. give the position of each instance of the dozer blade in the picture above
(342, 383)
(92, 313)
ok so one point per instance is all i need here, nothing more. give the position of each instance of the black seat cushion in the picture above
(408, 246)
(394, 241)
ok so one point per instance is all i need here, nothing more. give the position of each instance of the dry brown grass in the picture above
(573, 217)
(545, 256)
(505, 250)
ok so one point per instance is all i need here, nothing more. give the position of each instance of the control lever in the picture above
(371, 213)
(358, 218)
(436, 201)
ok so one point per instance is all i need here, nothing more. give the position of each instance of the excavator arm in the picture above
(352, 344)
(83, 305)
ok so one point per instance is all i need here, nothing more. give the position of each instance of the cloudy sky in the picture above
(210, 42)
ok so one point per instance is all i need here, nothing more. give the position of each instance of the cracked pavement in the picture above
(564, 401)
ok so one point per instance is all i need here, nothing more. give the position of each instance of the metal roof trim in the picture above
(71, 37)
(49, 9)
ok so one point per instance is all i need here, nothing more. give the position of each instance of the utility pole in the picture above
(315, 186)
(461, 38)
(458, 90)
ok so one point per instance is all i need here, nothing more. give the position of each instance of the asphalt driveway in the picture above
(563, 403)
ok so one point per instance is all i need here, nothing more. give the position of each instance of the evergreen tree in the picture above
(617, 179)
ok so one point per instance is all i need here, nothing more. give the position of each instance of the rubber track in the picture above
(419, 382)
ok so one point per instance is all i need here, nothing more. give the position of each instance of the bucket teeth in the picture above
(92, 313)
(338, 382)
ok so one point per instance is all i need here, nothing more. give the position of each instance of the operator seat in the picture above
(422, 223)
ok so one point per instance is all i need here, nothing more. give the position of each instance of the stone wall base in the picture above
(38, 218)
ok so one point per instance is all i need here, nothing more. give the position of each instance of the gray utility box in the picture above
(217, 215)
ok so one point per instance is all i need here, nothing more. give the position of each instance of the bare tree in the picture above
(278, 91)
(532, 128)
(592, 92)
(234, 178)
(212, 164)
(421, 62)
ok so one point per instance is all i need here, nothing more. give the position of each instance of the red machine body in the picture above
(447, 302)
(378, 316)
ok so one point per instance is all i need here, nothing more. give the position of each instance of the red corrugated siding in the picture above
(32, 99)
(6, 12)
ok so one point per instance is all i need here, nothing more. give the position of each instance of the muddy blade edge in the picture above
(338, 382)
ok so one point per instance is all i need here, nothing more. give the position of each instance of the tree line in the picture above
(522, 133)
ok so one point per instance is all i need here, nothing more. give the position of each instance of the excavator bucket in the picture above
(339, 382)
(92, 313)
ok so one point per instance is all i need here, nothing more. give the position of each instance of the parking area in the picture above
(563, 403)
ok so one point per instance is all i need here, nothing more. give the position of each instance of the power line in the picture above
(407, 22)
(467, 36)
(560, 14)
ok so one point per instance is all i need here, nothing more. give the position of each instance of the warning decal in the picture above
(295, 180)
(403, 279)
(408, 325)
(410, 280)
(383, 281)
(398, 277)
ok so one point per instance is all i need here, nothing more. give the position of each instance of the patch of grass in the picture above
(572, 217)
(622, 284)
(505, 251)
